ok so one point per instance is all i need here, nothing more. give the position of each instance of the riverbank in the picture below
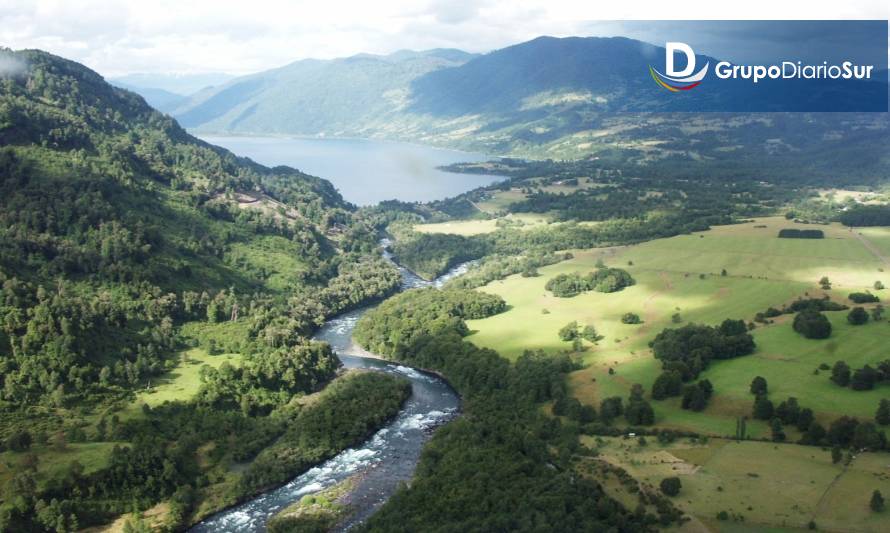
(346, 413)
(385, 460)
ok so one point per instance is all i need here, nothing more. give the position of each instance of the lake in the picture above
(365, 171)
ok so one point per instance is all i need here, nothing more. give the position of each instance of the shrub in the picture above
(631, 318)
(671, 486)
(863, 297)
(877, 501)
(858, 316)
(789, 233)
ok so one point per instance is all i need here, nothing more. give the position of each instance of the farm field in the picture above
(682, 276)
(769, 485)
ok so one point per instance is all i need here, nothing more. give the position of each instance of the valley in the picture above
(320, 314)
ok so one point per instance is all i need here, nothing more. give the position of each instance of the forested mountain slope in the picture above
(337, 97)
(117, 228)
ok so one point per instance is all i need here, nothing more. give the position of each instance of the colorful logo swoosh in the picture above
(678, 84)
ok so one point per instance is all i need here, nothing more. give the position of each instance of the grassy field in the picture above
(682, 275)
(182, 383)
(477, 227)
(54, 462)
(771, 485)
(184, 380)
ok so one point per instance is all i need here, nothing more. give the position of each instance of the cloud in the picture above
(11, 66)
(117, 37)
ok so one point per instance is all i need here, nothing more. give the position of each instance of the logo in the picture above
(676, 81)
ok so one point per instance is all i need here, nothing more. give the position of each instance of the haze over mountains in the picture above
(548, 97)
(347, 96)
(166, 92)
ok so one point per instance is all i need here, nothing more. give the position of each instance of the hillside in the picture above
(336, 97)
(546, 98)
(131, 251)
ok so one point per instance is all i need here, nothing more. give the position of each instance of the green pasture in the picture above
(771, 485)
(682, 275)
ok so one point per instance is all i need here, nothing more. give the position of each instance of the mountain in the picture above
(179, 84)
(166, 92)
(157, 98)
(335, 97)
(546, 98)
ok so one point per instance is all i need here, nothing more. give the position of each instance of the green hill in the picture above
(130, 251)
(116, 226)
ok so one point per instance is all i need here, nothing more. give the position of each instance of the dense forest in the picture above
(117, 229)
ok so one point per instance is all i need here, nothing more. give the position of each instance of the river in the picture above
(383, 461)
(366, 172)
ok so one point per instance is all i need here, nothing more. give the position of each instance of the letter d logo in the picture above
(683, 80)
(669, 50)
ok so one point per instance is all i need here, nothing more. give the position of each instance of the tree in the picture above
(879, 286)
(788, 411)
(611, 408)
(589, 334)
(842, 430)
(857, 316)
(882, 416)
(805, 419)
(812, 324)
(694, 398)
(671, 486)
(19, 441)
(758, 386)
(877, 313)
(763, 408)
(667, 384)
(814, 435)
(877, 501)
(639, 413)
(864, 378)
(836, 454)
(569, 331)
(840, 373)
(778, 432)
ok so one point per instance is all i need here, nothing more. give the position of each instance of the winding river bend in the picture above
(382, 462)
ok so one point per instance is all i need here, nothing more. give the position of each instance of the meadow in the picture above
(760, 485)
(468, 228)
(683, 276)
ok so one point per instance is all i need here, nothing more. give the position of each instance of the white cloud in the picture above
(119, 37)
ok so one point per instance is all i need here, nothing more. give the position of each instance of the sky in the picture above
(119, 37)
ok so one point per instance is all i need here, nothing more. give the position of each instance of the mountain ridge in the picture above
(520, 101)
